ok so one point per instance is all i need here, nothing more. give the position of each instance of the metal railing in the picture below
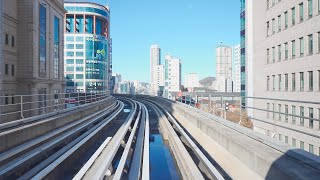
(273, 111)
(22, 106)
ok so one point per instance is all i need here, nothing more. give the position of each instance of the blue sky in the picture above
(187, 29)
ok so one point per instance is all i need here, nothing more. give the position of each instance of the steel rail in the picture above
(82, 140)
(124, 157)
(20, 161)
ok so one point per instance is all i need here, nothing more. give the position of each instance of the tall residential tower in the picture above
(172, 75)
(155, 70)
(224, 68)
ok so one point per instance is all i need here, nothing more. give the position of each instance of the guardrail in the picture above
(23, 106)
(271, 109)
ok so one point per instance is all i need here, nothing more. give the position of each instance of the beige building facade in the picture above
(33, 34)
(284, 47)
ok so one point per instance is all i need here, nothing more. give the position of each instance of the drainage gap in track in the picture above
(162, 164)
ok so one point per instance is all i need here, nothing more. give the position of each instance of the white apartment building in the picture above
(224, 68)
(172, 76)
(160, 75)
(284, 44)
(155, 61)
(236, 76)
(191, 80)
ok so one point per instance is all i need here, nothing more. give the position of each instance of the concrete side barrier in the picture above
(242, 153)
(16, 136)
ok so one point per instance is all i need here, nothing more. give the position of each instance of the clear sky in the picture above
(187, 29)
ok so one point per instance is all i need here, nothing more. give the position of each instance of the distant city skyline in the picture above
(188, 29)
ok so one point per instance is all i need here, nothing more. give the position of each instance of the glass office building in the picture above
(87, 47)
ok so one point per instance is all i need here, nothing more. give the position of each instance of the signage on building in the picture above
(96, 62)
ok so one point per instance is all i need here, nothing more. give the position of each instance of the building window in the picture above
(69, 46)
(268, 83)
(69, 53)
(79, 54)
(89, 24)
(311, 149)
(301, 81)
(268, 55)
(79, 39)
(273, 2)
(319, 41)
(268, 4)
(301, 116)
(69, 76)
(310, 80)
(7, 39)
(279, 23)
(286, 111)
(286, 139)
(56, 47)
(268, 110)
(293, 18)
(273, 82)
(70, 23)
(279, 82)
(69, 61)
(301, 47)
(273, 26)
(310, 8)
(69, 38)
(268, 29)
(286, 53)
(279, 112)
(294, 142)
(42, 43)
(70, 68)
(286, 20)
(79, 83)
(293, 46)
(79, 46)
(319, 13)
(280, 137)
(286, 82)
(293, 109)
(293, 83)
(79, 69)
(12, 70)
(302, 145)
(12, 41)
(79, 76)
(6, 99)
(273, 55)
(310, 44)
(310, 117)
(12, 99)
(273, 111)
(6, 69)
(79, 24)
(79, 61)
(301, 12)
(279, 52)
(319, 118)
(319, 81)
